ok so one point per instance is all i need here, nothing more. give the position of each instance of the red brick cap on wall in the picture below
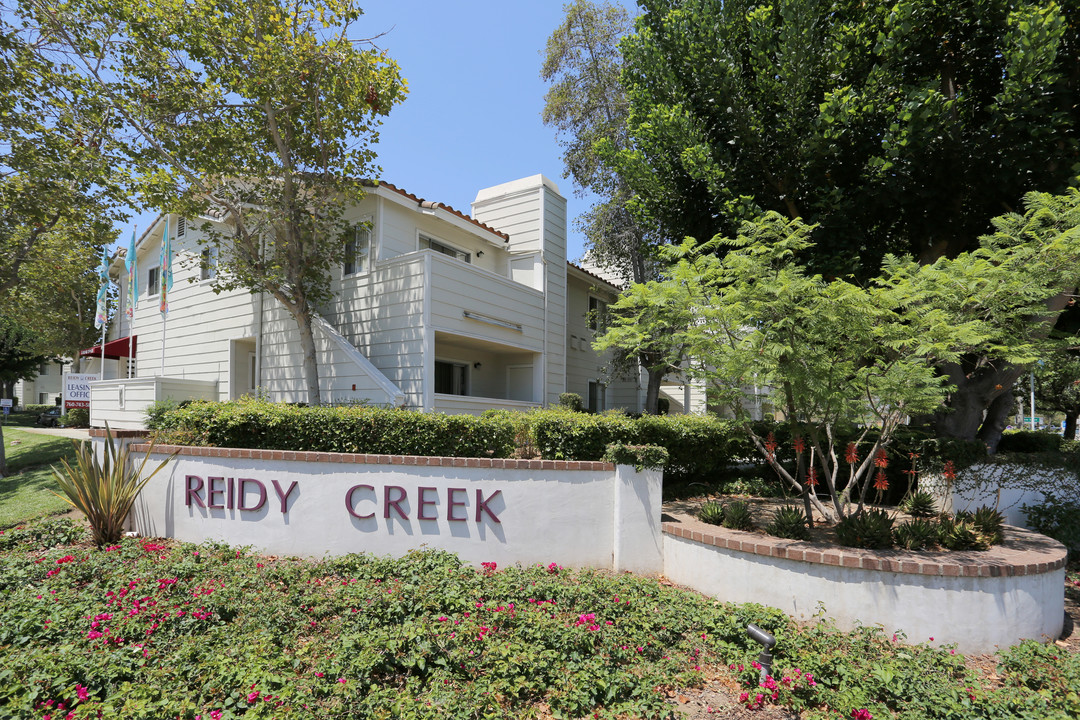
(1023, 553)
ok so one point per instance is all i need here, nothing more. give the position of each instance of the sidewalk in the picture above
(77, 433)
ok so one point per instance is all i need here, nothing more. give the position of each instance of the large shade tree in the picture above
(892, 127)
(260, 113)
(588, 108)
(833, 354)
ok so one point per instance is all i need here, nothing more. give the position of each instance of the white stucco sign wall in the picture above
(504, 511)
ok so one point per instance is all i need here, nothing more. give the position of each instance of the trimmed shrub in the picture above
(571, 401)
(1056, 518)
(252, 423)
(1029, 441)
(77, 417)
(640, 456)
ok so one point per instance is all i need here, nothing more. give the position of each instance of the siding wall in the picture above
(533, 213)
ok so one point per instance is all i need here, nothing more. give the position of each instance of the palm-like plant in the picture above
(104, 490)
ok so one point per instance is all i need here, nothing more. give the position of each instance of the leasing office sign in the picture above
(77, 389)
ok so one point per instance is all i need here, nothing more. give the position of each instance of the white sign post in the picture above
(77, 389)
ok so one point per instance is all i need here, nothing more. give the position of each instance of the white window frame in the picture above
(598, 321)
(359, 268)
(601, 395)
(466, 376)
(208, 263)
(456, 252)
(153, 281)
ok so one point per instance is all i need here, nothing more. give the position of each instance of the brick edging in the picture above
(1042, 554)
(368, 459)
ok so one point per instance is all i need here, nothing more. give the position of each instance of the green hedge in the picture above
(1029, 441)
(277, 426)
(697, 445)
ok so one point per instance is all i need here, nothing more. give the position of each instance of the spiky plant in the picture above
(789, 522)
(919, 504)
(960, 533)
(737, 516)
(871, 529)
(711, 512)
(990, 523)
(916, 535)
(104, 490)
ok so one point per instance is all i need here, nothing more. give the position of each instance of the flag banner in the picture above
(165, 262)
(102, 315)
(132, 266)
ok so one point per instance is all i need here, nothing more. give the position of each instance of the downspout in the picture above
(544, 279)
(259, 333)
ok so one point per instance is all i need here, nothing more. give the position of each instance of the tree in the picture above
(55, 297)
(1057, 385)
(261, 114)
(59, 164)
(892, 127)
(835, 353)
(17, 362)
(588, 107)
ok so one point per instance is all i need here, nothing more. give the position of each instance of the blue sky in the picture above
(472, 116)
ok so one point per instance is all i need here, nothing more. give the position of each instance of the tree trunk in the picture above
(652, 390)
(975, 393)
(311, 363)
(3, 452)
(1070, 424)
(997, 417)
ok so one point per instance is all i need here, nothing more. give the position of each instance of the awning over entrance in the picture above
(115, 349)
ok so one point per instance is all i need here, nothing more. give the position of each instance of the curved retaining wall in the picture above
(978, 600)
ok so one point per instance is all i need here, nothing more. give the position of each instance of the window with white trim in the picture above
(597, 396)
(430, 243)
(357, 251)
(597, 314)
(208, 263)
(451, 378)
(152, 284)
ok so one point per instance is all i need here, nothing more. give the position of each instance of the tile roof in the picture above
(428, 204)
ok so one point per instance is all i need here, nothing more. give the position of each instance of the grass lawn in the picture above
(154, 629)
(24, 492)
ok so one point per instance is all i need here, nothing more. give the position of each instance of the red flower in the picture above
(950, 470)
(800, 444)
(880, 481)
(811, 477)
(852, 453)
(881, 460)
(770, 443)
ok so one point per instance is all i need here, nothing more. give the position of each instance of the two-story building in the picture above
(433, 310)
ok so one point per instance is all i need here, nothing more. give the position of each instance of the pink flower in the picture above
(862, 714)
(342, 680)
(82, 692)
(253, 697)
(215, 715)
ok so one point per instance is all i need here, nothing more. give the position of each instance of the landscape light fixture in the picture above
(767, 642)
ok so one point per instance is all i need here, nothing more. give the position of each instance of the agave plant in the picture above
(104, 490)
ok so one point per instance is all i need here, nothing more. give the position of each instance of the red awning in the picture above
(114, 349)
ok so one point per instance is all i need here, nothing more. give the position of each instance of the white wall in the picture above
(537, 512)
(979, 614)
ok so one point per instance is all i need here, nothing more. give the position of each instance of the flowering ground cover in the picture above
(155, 629)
